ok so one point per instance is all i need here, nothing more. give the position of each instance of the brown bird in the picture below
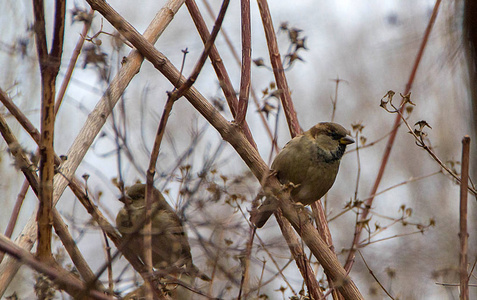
(170, 245)
(309, 163)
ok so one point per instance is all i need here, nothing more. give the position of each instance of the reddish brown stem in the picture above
(151, 171)
(16, 211)
(208, 46)
(300, 258)
(390, 143)
(49, 67)
(237, 59)
(278, 71)
(246, 63)
(463, 234)
(219, 67)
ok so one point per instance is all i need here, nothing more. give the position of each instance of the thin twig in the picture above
(200, 63)
(374, 276)
(225, 83)
(390, 143)
(72, 64)
(219, 67)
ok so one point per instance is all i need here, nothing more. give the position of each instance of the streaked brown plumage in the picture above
(310, 162)
(170, 245)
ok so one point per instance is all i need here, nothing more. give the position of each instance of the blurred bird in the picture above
(309, 163)
(170, 245)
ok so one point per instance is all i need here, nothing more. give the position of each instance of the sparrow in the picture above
(170, 245)
(308, 164)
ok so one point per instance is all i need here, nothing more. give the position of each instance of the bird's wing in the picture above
(289, 166)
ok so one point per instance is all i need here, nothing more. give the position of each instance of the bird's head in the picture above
(330, 137)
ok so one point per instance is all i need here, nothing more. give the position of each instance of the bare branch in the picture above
(390, 143)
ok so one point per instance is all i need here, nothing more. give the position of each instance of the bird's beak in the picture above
(346, 140)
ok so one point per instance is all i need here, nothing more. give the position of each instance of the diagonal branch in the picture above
(278, 71)
(203, 57)
(63, 278)
(175, 95)
(389, 145)
(218, 65)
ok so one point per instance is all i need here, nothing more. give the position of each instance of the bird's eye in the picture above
(335, 135)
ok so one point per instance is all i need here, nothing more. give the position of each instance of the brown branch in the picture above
(278, 71)
(390, 143)
(49, 68)
(85, 271)
(300, 258)
(16, 211)
(200, 63)
(246, 63)
(218, 65)
(237, 60)
(244, 283)
(322, 226)
(463, 234)
(64, 279)
(58, 32)
(39, 31)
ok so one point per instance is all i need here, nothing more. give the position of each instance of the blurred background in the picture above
(368, 47)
